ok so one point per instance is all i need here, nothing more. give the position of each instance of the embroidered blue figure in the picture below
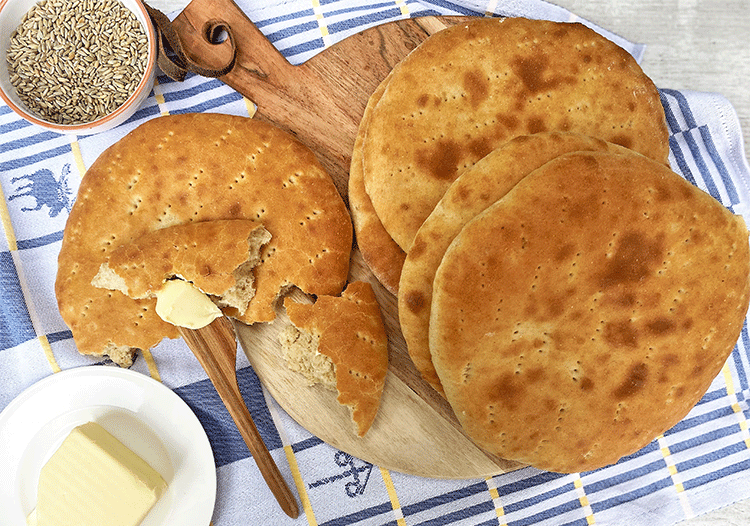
(360, 474)
(46, 190)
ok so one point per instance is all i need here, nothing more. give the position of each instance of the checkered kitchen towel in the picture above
(701, 464)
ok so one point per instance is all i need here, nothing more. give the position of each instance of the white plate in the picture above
(142, 413)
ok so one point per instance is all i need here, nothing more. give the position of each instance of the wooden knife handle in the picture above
(215, 346)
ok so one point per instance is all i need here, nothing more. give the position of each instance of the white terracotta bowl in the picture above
(11, 13)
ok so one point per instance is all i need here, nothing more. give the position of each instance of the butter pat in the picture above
(181, 303)
(94, 480)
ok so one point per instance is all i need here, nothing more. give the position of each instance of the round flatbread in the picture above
(198, 167)
(587, 311)
(473, 191)
(382, 255)
(472, 87)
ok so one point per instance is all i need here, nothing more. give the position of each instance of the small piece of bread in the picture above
(341, 343)
(588, 310)
(218, 257)
(472, 87)
(198, 167)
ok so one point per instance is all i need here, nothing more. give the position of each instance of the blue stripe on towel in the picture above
(12, 125)
(367, 513)
(462, 514)
(739, 351)
(363, 21)
(700, 163)
(537, 499)
(698, 420)
(35, 157)
(41, 241)
(683, 106)
(548, 513)
(679, 158)
(226, 442)
(721, 168)
(15, 322)
(712, 456)
(713, 434)
(716, 475)
(461, 493)
(630, 496)
(306, 444)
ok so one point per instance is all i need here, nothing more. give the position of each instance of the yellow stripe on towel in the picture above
(75, 149)
(320, 17)
(391, 488)
(676, 478)
(499, 510)
(583, 499)
(151, 363)
(47, 348)
(401, 4)
(300, 484)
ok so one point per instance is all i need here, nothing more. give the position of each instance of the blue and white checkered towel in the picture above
(701, 464)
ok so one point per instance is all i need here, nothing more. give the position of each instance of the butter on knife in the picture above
(181, 303)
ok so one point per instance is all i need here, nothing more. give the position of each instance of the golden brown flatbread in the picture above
(349, 332)
(588, 310)
(198, 167)
(382, 255)
(473, 191)
(218, 257)
(472, 87)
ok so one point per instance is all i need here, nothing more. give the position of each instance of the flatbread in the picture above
(472, 87)
(349, 330)
(198, 167)
(218, 257)
(588, 310)
(382, 255)
(473, 191)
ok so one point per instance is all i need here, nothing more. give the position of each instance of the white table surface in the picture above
(699, 45)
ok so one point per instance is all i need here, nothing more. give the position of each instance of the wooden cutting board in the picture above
(321, 102)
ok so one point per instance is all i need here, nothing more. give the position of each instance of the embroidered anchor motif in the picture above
(359, 474)
(46, 190)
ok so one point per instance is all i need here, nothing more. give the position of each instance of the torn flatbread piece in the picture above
(341, 343)
(218, 257)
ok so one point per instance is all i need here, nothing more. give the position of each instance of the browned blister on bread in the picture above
(473, 191)
(341, 342)
(192, 168)
(218, 257)
(588, 310)
(474, 86)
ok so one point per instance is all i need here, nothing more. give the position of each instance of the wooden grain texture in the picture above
(215, 346)
(321, 102)
(411, 433)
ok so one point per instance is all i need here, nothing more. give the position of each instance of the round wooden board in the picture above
(415, 432)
